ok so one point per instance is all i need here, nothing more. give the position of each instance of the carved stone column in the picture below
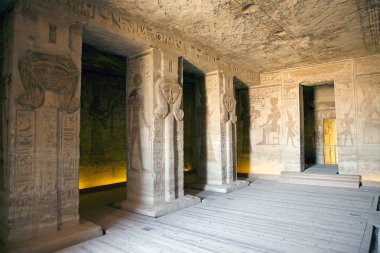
(155, 135)
(41, 111)
(216, 168)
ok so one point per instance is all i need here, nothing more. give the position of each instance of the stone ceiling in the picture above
(267, 34)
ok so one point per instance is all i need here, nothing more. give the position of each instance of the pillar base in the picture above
(224, 188)
(159, 209)
(61, 239)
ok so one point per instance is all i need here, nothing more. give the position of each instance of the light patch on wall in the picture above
(99, 175)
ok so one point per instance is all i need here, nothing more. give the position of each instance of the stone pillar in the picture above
(155, 135)
(216, 168)
(43, 59)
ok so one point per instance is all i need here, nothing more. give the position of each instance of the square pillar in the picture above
(216, 168)
(155, 135)
(40, 196)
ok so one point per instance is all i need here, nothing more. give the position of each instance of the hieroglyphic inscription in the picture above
(22, 210)
(119, 21)
(47, 169)
(68, 165)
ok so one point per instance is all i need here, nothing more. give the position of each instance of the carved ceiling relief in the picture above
(42, 71)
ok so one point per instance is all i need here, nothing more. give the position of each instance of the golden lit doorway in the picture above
(318, 128)
(330, 141)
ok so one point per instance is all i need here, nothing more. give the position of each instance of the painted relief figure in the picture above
(135, 109)
(291, 130)
(271, 125)
(346, 126)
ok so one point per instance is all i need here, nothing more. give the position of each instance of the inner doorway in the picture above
(242, 127)
(320, 154)
(195, 109)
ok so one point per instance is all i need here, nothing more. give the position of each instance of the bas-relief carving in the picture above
(291, 103)
(68, 164)
(136, 117)
(116, 20)
(228, 102)
(267, 98)
(346, 124)
(169, 100)
(319, 73)
(21, 207)
(42, 71)
(369, 107)
(271, 78)
(169, 96)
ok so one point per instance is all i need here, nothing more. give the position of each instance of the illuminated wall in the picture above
(102, 136)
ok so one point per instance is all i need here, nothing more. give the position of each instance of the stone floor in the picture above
(322, 169)
(267, 216)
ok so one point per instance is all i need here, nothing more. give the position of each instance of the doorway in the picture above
(103, 119)
(242, 127)
(194, 107)
(319, 137)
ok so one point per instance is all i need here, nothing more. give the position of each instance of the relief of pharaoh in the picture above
(42, 71)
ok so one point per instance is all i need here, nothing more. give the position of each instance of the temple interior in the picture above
(189, 126)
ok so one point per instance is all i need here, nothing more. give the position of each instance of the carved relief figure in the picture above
(167, 96)
(346, 126)
(371, 110)
(255, 115)
(136, 113)
(291, 129)
(369, 107)
(271, 125)
(40, 71)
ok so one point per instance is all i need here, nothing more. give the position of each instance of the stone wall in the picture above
(102, 136)
(276, 136)
(103, 119)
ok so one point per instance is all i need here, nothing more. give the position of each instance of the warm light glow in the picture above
(243, 165)
(330, 141)
(101, 174)
(187, 167)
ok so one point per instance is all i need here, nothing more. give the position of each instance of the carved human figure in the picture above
(255, 115)
(370, 108)
(346, 126)
(136, 113)
(271, 124)
(291, 130)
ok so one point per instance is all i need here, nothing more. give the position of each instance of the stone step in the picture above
(345, 181)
